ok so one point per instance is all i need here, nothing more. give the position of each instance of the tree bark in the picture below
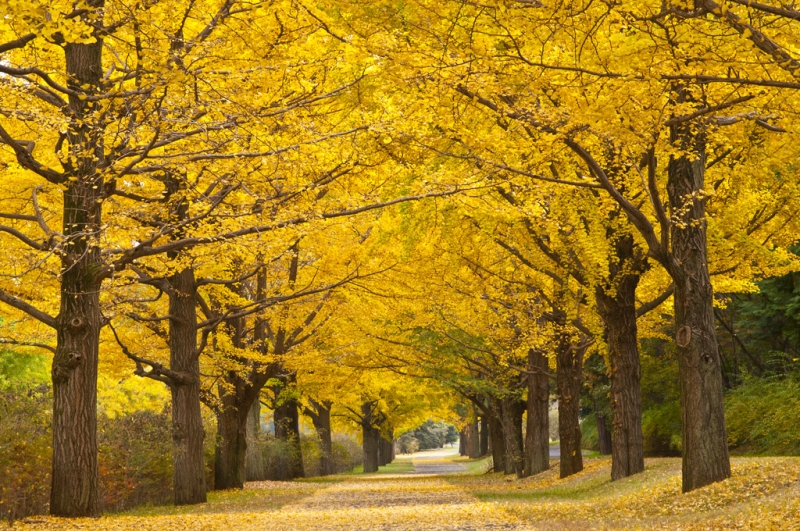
(537, 433)
(484, 437)
(383, 458)
(704, 436)
(287, 429)
(496, 435)
(371, 438)
(618, 312)
(254, 459)
(569, 360)
(474, 437)
(320, 415)
(512, 433)
(231, 451)
(189, 471)
(604, 443)
(74, 371)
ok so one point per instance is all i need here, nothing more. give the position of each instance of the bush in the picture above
(347, 453)
(134, 454)
(589, 436)
(25, 450)
(761, 416)
(407, 444)
(135, 459)
(311, 451)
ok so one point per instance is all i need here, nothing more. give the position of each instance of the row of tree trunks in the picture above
(385, 450)
(537, 432)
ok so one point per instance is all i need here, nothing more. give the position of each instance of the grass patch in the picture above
(399, 466)
(473, 466)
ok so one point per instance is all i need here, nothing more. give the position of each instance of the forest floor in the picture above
(445, 492)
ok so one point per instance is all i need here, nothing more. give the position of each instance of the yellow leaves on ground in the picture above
(763, 493)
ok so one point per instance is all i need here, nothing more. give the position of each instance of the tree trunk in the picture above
(704, 436)
(371, 439)
(512, 433)
(287, 428)
(74, 371)
(231, 451)
(254, 459)
(462, 442)
(496, 435)
(569, 361)
(484, 437)
(321, 418)
(475, 441)
(619, 317)
(604, 444)
(382, 457)
(189, 471)
(537, 433)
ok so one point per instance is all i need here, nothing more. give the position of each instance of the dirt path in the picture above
(394, 503)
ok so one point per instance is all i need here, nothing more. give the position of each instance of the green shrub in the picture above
(661, 428)
(762, 416)
(589, 437)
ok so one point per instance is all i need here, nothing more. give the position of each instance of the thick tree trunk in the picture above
(371, 439)
(383, 458)
(462, 442)
(321, 418)
(231, 451)
(386, 450)
(496, 435)
(189, 475)
(619, 317)
(74, 371)
(569, 360)
(512, 433)
(705, 443)
(475, 441)
(484, 437)
(537, 433)
(287, 428)
(254, 459)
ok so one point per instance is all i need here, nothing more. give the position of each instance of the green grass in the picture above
(401, 465)
(473, 466)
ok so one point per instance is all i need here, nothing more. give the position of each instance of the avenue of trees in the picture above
(353, 217)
